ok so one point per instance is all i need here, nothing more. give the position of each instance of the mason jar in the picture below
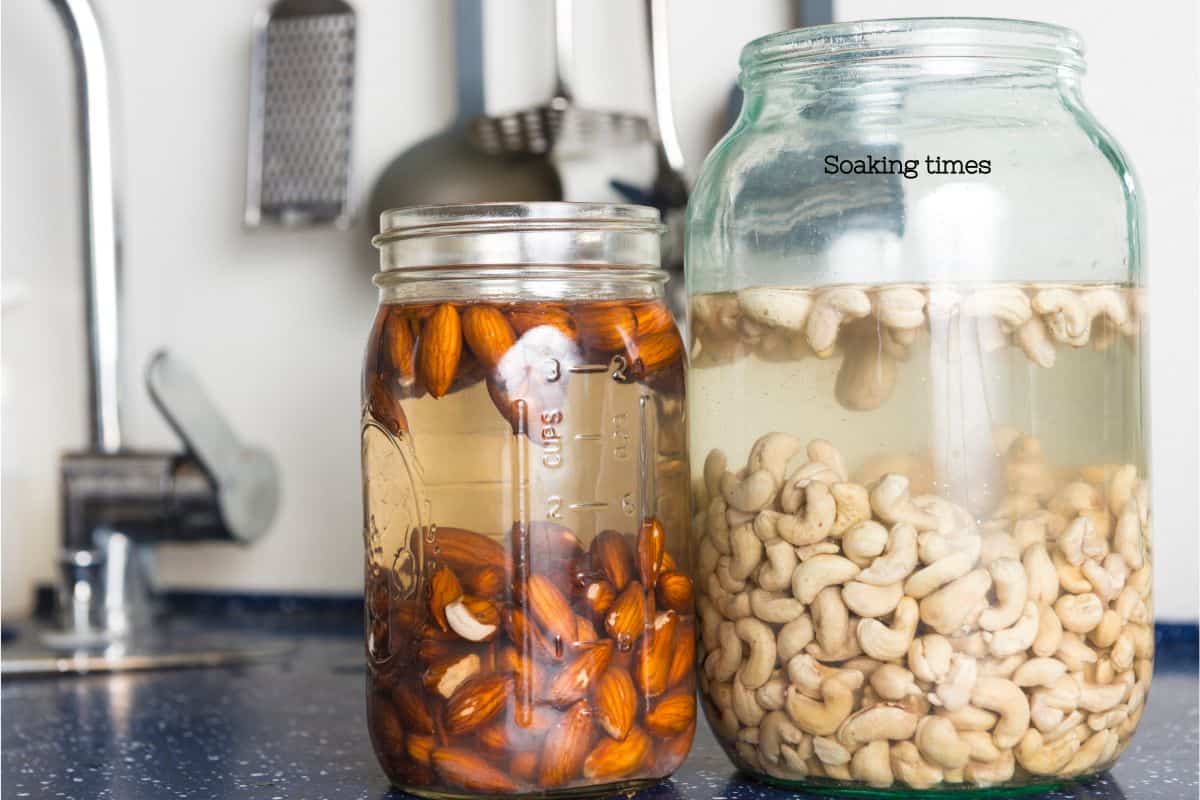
(530, 625)
(918, 402)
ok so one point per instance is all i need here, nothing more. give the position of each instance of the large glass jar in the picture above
(918, 402)
(530, 624)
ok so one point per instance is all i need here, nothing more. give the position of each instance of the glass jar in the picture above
(918, 402)
(530, 625)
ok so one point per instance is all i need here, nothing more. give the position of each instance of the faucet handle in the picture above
(246, 478)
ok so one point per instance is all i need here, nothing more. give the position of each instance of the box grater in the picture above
(301, 114)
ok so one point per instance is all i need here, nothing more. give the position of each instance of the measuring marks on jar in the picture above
(583, 464)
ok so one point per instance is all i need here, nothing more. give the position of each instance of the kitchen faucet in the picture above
(118, 502)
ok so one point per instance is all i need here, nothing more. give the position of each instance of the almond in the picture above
(495, 738)
(614, 759)
(548, 548)
(598, 596)
(431, 650)
(672, 715)
(443, 677)
(573, 681)
(567, 745)
(440, 349)
(384, 405)
(668, 563)
(651, 542)
(655, 352)
(605, 326)
(487, 333)
(412, 708)
(464, 768)
(463, 549)
(585, 631)
(385, 724)
(485, 581)
(627, 615)
(610, 554)
(683, 655)
(476, 701)
(528, 316)
(652, 317)
(672, 752)
(523, 765)
(653, 667)
(419, 747)
(675, 592)
(444, 589)
(526, 671)
(400, 345)
(548, 606)
(527, 637)
(615, 701)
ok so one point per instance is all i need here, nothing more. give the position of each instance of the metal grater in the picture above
(301, 114)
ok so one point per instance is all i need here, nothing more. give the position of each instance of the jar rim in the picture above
(409, 222)
(911, 38)
(519, 234)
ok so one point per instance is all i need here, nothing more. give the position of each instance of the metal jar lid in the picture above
(519, 234)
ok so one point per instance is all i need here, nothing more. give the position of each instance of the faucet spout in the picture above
(101, 222)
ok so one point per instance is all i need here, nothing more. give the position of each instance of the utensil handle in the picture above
(468, 59)
(658, 33)
(564, 46)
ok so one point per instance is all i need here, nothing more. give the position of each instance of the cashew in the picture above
(1074, 652)
(819, 508)
(1105, 634)
(886, 643)
(805, 552)
(1018, 637)
(775, 572)
(1075, 498)
(774, 608)
(1070, 577)
(1039, 672)
(979, 744)
(747, 552)
(793, 637)
(830, 310)
(465, 624)
(820, 572)
(718, 527)
(822, 717)
(761, 660)
(1042, 758)
(908, 766)
(897, 561)
(871, 764)
(770, 694)
(948, 569)
(1079, 613)
(1008, 306)
(929, 658)
(864, 541)
(772, 453)
(774, 730)
(1088, 755)
(725, 723)
(995, 545)
(1050, 706)
(893, 682)
(726, 659)
(946, 609)
(891, 503)
(991, 773)
(1012, 586)
(1034, 339)
(725, 578)
(954, 690)
(1002, 667)
(777, 307)
(1049, 633)
(1041, 576)
(1127, 537)
(877, 722)
(707, 556)
(751, 493)
(853, 506)
(1006, 699)
(1065, 315)
(715, 465)
(940, 744)
(970, 718)
(1110, 304)
(1096, 697)
(830, 751)
(831, 621)
(745, 704)
(866, 600)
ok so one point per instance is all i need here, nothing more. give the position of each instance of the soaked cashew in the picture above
(1006, 699)
(867, 601)
(1034, 339)
(940, 743)
(1011, 585)
(898, 559)
(886, 643)
(864, 541)
(760, 639)
(774, 608)
(948, 608)
(751, 493)
(775, 574)
(822, 717)
(776, 307)
(820, 572)
(910, 767)
(831, 309)
(877, 722)
(954, 690)
(793, 637)
(1016, 638)
(891, 502)
(872, 765)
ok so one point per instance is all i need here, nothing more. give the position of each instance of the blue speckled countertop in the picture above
(295, 728)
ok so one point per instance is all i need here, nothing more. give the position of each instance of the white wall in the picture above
(274, 322)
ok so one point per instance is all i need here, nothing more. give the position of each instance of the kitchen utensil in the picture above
(301, 114)
(537, 130)
(446, 168)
